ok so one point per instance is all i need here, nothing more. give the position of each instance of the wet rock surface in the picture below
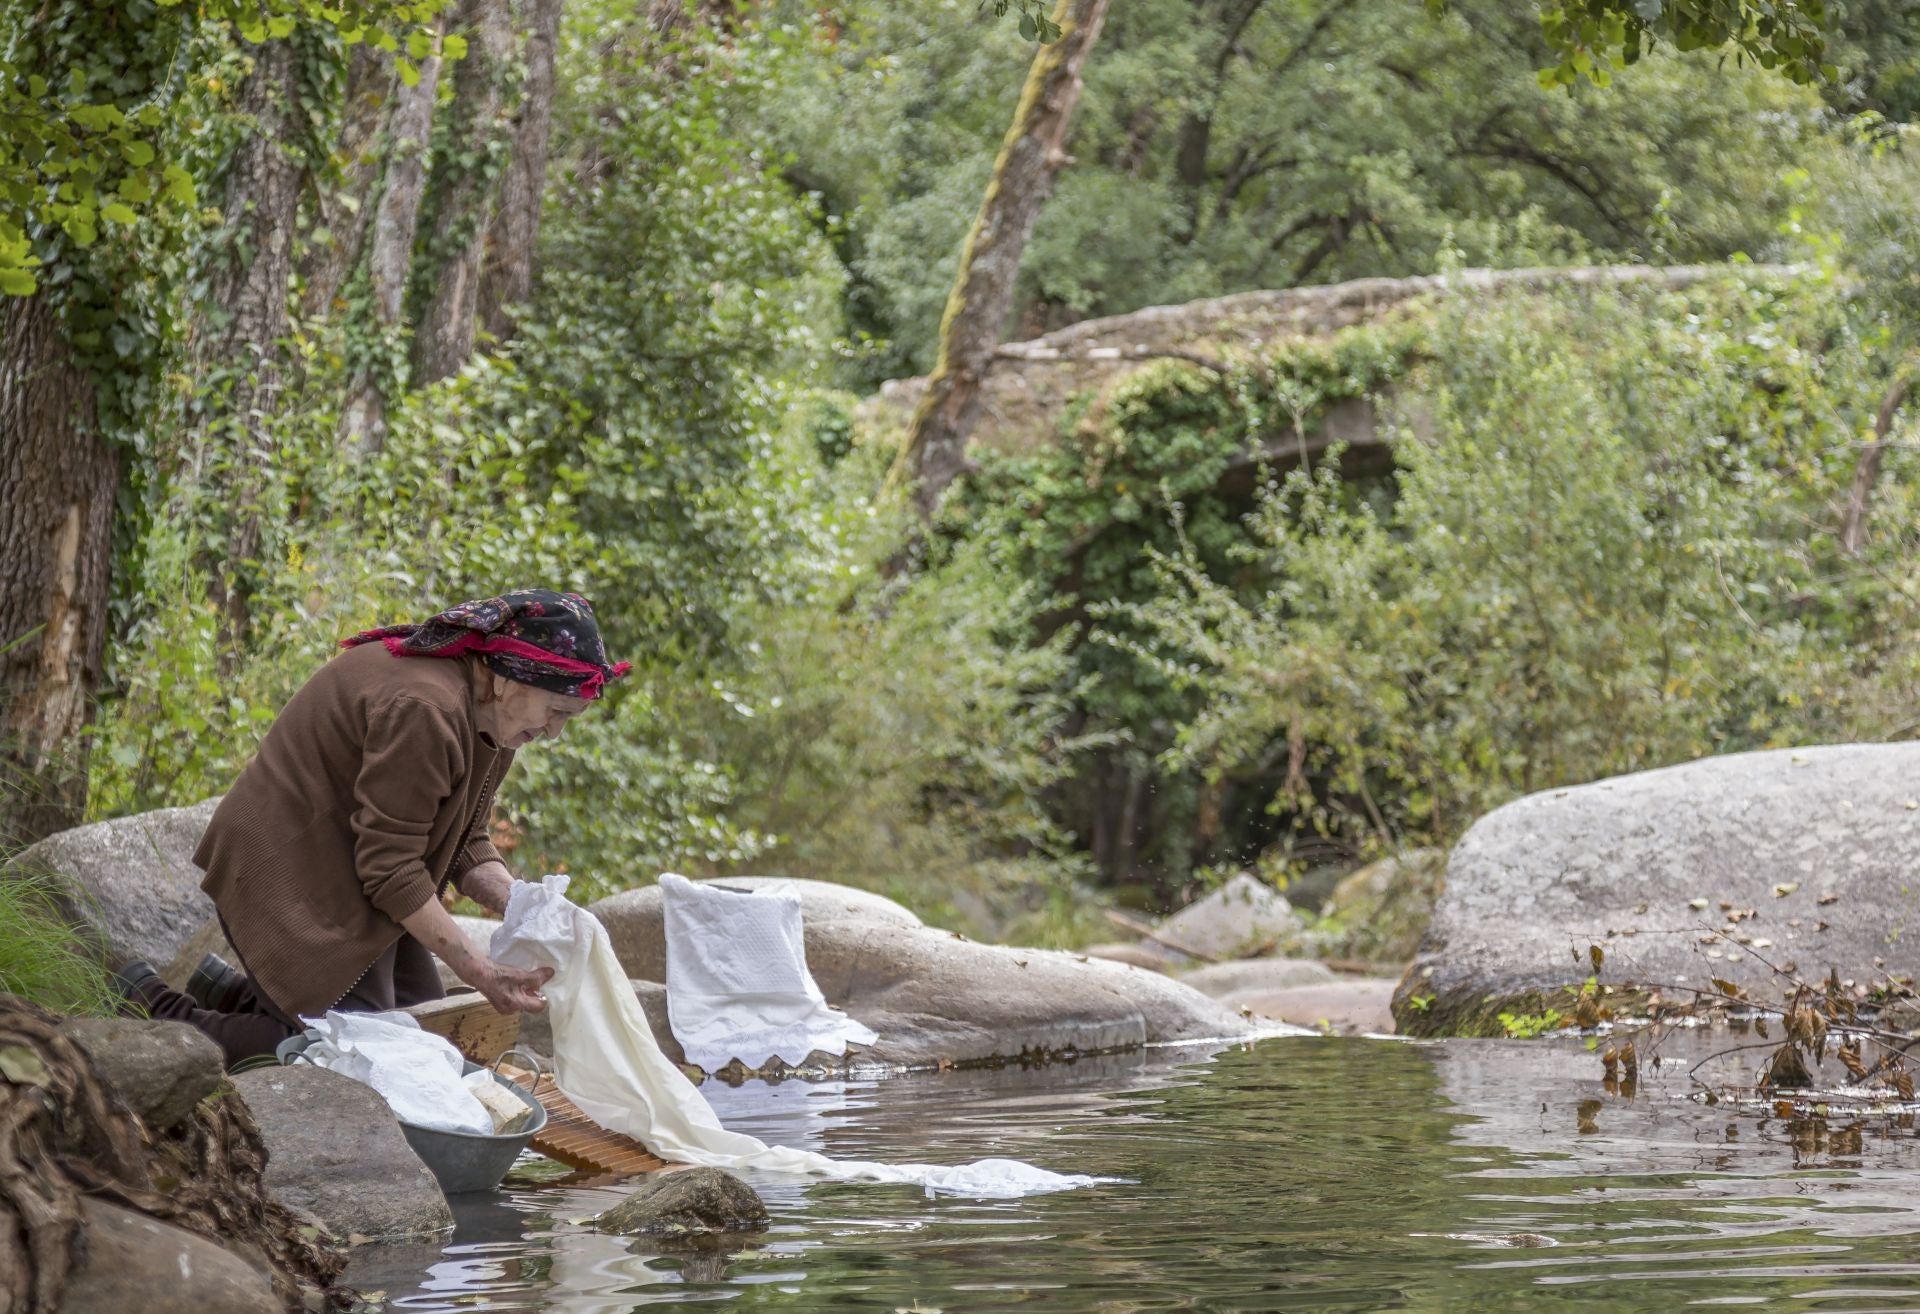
(687, 1202)
(137, 888)
(136, 1263)
(335, 1150)
(1711, 869)
(161, 1069)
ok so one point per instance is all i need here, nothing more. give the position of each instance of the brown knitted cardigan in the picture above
(370, 792)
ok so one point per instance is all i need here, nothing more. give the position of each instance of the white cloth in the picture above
(416, 1072)
(737, 979)
(608, 1063)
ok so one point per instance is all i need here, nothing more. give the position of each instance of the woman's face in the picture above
(520, 713)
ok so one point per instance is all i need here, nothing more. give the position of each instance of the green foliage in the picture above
(1595, 37)
(91, 97)
(1603, 549)
(1316, 143)
(42, 958)
(645, 440)
(1528, 1026)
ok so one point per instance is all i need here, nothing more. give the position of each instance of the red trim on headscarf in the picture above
(473, 641)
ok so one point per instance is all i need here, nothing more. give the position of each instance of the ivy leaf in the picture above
(17, 283)
(409, 73)
(138, 153)
(453, 47)
(117, 212)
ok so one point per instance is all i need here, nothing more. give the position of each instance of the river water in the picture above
(1322, 1174)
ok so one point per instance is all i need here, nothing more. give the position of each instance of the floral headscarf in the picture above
(535, 636)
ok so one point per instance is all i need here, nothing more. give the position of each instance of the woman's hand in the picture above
(508, 989)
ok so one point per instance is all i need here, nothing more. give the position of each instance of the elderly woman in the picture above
(329, 859)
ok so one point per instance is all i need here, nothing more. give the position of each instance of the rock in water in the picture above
(137, 1263)
(335, 1149)
(161, 1069)
(138, 889)
(1801, 856)
(1236, 918)
(687, 1202)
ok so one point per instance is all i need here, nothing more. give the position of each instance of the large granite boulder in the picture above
(335, 1150)
(636, 923)
(161, 1069)
(134, 1262)
(134, 885)
(686, 1202)
(934, 997)
(1236, 919)
(1802, 858)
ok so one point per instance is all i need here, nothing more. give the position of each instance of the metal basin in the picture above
(459, 1161)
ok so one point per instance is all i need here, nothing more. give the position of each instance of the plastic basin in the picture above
(460, 1161)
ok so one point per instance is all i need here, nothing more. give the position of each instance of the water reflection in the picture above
(1332, 1174)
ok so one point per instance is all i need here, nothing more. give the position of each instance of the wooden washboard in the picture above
(570, 1136)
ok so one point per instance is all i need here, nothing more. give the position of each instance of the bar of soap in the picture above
(510, 1112)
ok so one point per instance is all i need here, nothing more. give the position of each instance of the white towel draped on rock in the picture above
(737, 979)
(608, 1063)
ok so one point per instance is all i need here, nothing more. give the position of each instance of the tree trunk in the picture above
(462, 188)
(396, 218)
(345, 212)
(58, 478)
(236, 347)
(507, 278)
(1853, 527)
(1031, 156)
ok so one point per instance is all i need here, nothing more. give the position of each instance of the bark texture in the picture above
(982, 297)
(465, 178)
(245, 309)
(395, 220)
(506, 280)
(346, 212)
(58, 478)
(236, 348)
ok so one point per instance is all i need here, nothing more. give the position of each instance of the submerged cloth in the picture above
(609, 1064)
(534, 636)
(371, 791)
(737, 979)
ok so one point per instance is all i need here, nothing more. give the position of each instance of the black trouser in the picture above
(402, 976)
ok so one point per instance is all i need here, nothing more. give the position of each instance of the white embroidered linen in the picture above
(608, 1063)
(737, 979)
